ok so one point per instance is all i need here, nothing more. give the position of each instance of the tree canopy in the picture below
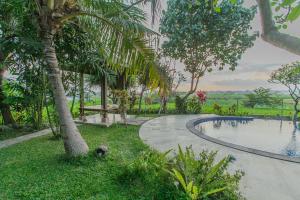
(203, 37)
(289, 76)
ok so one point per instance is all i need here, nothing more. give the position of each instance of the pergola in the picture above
(104, 109)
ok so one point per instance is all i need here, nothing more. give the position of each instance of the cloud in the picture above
(241, 83)
(255, 66)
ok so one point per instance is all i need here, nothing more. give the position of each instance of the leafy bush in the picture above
(203, 178)
(180, 104)
(217, 108)
(261, 96)
(184, 176)
(232, 110)
(194, 105)
(149, 169)
(148, 100)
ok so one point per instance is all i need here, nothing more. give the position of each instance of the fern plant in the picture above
(203, 177)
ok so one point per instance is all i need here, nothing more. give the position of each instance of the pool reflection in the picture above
(274, 136)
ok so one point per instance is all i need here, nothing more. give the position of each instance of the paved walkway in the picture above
(113, 118)
(265, 179)
(92, 119)
(9, 142)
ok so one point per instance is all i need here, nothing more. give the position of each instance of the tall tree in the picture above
(289, 76)
(116, 26)
(203, 37)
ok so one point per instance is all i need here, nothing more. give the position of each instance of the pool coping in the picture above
(190, 125)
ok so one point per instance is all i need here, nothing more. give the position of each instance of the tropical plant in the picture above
(198, 177)
(194, 105)
(217, 108)
(202, 37)
(149, 169)
(232, 110)
(289, 76)
(202, 96)
(174, 77)
(180, 104)
(116, 28)
(16, 33)
(123, 100)
(261, 96)
(203, 178)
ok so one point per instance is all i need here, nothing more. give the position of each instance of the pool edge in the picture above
(190, 125)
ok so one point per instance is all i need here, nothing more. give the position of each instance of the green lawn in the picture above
(12, 133)
(287, 111)
(38, 169)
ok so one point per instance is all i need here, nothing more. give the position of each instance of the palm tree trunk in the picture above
(73, 142)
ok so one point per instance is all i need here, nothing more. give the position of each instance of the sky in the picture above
(254, 68)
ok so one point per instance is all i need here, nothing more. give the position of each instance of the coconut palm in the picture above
(117, 29)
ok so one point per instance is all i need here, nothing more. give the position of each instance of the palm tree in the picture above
(115, 25)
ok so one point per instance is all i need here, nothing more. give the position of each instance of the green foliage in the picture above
(180, 104)
(289, 76)
(232, 109)
(292, 6)
(204, 178)
(261, 96)
(123, 99)
(201, 178)
(201, 37)
(149, 169)
(7, 132)
(26, 93)
(217, 108)
(50, 175)
(194, 105)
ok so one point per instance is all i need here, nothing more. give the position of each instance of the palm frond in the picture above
(122, 39)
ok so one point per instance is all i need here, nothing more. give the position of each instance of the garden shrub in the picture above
(193, 105)
(123, 101)
(217, 108)
(184, 176)
(204, 178)
(232, 110)
(261, 96)
(149, 169)
(148, 100)
(180, 104)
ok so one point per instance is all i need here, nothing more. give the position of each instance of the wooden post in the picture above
(81, 97)
(104, 118)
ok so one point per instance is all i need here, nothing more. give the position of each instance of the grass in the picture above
(38, 169)
(12, 133)
(225, 101)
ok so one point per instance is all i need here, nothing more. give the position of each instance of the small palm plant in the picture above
(195, 177)
(201, 178)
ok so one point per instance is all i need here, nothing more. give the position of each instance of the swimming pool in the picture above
(277, 137)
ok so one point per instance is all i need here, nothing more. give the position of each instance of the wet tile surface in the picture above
(266, 178)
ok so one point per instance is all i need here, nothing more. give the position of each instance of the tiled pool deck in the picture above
(266, 178)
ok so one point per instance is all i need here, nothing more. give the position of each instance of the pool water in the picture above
(275, 136)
